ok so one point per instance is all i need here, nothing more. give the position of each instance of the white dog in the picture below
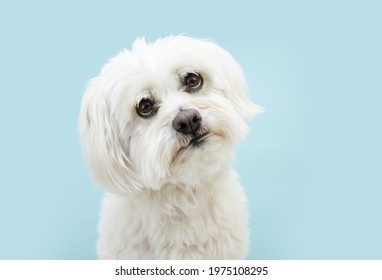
(158, 127)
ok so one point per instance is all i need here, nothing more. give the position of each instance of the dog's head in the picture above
(167, 112)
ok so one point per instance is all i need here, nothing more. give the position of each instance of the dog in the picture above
(158, 127)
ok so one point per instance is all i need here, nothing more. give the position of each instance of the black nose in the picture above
(187, 121)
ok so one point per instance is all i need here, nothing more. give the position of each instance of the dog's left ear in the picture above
(235, 87)
(244, 105)
(237, 92)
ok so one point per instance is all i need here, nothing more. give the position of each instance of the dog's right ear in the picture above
(101, 144)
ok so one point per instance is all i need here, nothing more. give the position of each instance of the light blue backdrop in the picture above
(312, 166)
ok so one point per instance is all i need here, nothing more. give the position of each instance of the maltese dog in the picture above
(158, 128)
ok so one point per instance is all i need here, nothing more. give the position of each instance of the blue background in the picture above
(312, 166)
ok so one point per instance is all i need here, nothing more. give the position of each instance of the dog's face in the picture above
(168, 112)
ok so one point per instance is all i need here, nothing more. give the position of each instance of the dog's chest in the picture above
(173, 224)
(173, 220)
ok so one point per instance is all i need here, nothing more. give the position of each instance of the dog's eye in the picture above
(146, 108)
(192, 82)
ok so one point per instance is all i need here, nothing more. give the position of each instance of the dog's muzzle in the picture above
(187, 121)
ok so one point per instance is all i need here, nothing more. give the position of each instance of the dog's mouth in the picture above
(197, 140)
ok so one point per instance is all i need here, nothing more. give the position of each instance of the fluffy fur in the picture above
(168, 198)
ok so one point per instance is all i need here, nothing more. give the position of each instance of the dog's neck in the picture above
(178, 201)
(194, 187)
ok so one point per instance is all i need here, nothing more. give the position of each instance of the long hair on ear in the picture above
(236, 90)
(235, 87)
(102, 146)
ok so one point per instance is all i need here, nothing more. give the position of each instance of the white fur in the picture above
(164, 200)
